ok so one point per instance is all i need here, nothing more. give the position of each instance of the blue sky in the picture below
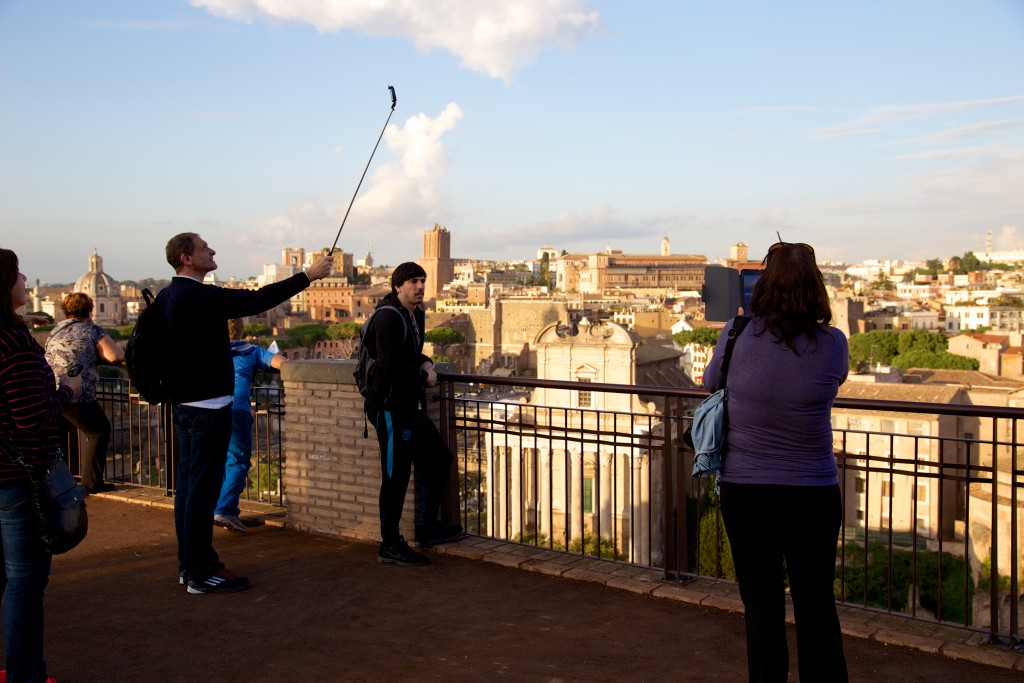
(874, 129)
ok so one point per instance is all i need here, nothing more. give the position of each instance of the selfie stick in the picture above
(394, 101)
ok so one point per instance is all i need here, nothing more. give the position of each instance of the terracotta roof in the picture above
(989, 338)
(651, 353)
(965, 378)
(922, 393)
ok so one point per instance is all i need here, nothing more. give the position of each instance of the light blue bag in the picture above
(706, 434)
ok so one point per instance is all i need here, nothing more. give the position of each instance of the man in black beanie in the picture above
(397, 408)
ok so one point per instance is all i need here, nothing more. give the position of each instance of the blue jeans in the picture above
(26, 573)
(203, 436)
(236, 471)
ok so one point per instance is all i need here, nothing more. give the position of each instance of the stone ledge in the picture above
(984, 655)
(321, 371)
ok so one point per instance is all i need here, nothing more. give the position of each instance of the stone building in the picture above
(108, 306)
(542, 482)
(640, 273)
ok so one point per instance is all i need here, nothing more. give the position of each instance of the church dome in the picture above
(96, 283)
(105, 291)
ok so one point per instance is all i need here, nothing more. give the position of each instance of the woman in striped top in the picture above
(30, 404)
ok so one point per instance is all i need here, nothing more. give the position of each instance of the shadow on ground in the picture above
(324, 610)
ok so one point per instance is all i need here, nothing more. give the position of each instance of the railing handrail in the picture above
(962, 409)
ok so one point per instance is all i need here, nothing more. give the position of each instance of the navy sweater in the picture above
(197, 346)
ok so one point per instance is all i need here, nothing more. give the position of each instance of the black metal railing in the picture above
(142, 445)
(932, 492)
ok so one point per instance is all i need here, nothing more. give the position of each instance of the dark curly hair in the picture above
(790, 295)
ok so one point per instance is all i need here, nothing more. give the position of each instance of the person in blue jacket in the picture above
(248, 359)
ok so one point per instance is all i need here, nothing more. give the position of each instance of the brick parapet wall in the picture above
(331, 473)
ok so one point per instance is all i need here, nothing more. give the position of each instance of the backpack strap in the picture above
(362, 333)
(739, 322)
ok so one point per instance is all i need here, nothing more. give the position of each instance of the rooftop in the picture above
(322, 609)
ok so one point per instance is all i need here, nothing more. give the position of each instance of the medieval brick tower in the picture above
(437, 261)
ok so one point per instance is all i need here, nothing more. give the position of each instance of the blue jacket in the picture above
(247, 358)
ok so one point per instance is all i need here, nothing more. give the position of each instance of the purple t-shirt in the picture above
(780, 405)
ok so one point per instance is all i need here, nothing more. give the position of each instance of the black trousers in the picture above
(93, 436)
(401, 446)
(798, 526)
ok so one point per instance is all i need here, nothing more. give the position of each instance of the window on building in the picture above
(859, 485)
(102, 307)
(856, 423)
(888, 426)
(588, 494)
(917, 428)
(584, 397)
(886, 488)
(922, 493)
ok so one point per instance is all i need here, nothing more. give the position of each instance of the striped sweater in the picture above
(30, 405)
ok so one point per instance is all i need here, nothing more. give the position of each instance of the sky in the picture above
(877, 129)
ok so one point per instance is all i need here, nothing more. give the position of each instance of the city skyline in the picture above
(874, 131)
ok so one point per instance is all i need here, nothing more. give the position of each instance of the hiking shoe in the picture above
(437, 534)
(231, 523)
(401, 554)
(222, 581)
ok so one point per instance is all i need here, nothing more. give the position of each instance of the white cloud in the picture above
(495, 38)
(870, 120)
(1007, 239)
(397, 201)
(960, 133)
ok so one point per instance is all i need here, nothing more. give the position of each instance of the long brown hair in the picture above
(790, 295)
(9, 274)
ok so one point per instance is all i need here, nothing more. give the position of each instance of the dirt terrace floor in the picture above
(324, 610)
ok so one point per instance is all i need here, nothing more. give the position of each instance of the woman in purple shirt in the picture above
(780, 490)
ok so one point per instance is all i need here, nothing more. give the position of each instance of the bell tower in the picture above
(437, 261)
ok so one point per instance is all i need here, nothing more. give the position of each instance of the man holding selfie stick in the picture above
(200, 380)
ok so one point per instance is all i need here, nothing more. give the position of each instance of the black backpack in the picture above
(365, 362)
(144, 355)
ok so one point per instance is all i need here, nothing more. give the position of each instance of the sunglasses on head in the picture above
(780, 244)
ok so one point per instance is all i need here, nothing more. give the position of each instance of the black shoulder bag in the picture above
(58, 501)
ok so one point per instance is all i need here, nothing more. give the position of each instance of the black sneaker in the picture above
(183, 578)
(437, 534)
(222, 581)
(401, 554)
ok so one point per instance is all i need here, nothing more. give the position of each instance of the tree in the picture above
(939, 360)
(921, 340)
(443, 337)
(306, 334)
(882, 282)
(256, 330)
(343, 331)
(702, 336)
(933, 266)
(970, 262)
(347, 334)
(956, 265)
(876, 346)
(545, 268)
